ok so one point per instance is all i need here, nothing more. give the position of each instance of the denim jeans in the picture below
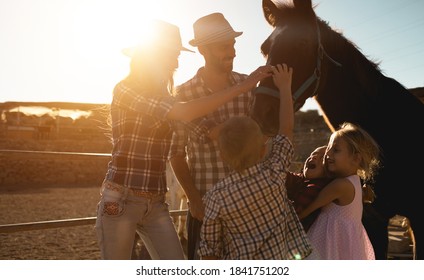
(121, 214)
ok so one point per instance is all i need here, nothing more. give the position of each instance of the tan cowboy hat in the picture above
(211, 29)
(163, 35)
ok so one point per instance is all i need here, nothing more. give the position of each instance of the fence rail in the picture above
(64, 161)
(55, 153)
(10, 228)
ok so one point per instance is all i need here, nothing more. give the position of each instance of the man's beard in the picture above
(226, 65)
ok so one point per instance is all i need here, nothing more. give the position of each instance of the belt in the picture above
(118, 188)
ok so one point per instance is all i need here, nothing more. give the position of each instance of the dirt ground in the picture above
(23, 204)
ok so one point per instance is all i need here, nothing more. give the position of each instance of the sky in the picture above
(70, 50)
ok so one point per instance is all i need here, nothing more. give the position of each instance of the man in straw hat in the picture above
(215, 39)
(134, 188)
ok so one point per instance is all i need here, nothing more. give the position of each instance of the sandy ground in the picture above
(22, 205)
(25, 204)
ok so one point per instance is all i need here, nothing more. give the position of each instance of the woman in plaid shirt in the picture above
(248, 214)
(133, 192)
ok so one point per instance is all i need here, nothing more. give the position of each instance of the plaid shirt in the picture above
(249, 216)
(141, 137)
(203, 157)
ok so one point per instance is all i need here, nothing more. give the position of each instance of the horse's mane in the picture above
(366, 70)
(337, 42)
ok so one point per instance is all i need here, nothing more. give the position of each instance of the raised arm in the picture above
(190, 110)
(282, 77)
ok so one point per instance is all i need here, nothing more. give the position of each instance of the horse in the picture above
(349, 87)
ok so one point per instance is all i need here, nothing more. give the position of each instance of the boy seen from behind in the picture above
(248, 214)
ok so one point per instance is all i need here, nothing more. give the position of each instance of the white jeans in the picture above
(121, 215)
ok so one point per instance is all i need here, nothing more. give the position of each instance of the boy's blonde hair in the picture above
(241, 143)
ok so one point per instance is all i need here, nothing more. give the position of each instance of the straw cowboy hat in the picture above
(163, 35)
(211, 29)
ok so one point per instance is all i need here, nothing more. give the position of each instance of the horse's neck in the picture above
(357, 73)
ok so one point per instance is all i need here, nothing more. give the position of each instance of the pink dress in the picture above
(338, 232)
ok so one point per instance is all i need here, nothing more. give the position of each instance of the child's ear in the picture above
(358, 158)
(264, 150)
(214, 132)
(223, 157)
(220, 156)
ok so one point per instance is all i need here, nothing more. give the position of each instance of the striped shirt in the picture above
(249, 216)
(203, 157)
(141, 136)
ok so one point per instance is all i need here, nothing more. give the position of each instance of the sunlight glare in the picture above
(101, 30)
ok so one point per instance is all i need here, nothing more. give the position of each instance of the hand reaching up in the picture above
(282, 76)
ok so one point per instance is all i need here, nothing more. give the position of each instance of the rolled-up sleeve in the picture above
(126, 97)
(179, 140)
(198, 130)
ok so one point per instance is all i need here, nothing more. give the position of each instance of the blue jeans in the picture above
(121, 214)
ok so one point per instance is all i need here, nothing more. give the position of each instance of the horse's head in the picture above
(294, 41)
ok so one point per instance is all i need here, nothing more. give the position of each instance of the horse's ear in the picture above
(273, 10)
(303, 4)
(270, 10)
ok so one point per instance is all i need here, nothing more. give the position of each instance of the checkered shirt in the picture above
(141, 138)
(249, 216)
(203, 157)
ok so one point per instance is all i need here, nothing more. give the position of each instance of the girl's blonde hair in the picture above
(359, 141)
(241, 143)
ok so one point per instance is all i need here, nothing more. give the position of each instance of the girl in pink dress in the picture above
(338, 233)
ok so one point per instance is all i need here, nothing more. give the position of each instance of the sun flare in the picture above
(102, 29)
